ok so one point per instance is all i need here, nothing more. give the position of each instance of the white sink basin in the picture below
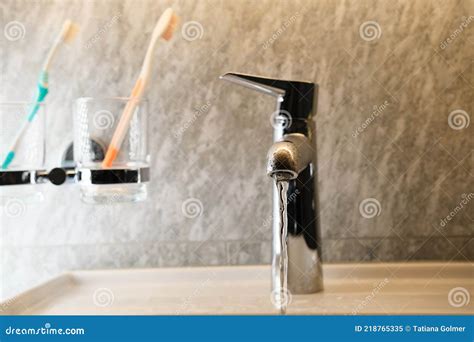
(376, 288)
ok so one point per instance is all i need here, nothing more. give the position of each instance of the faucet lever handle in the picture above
(294, 97)
(263, 85)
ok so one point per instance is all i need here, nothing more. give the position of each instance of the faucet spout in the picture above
(289, 156)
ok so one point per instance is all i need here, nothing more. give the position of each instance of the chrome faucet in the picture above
(292, 158)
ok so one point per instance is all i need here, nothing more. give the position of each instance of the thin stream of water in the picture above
(282, 186)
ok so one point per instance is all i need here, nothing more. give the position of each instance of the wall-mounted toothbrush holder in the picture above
(56, 176)
(95, 121)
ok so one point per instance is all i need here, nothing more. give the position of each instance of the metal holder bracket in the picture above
(68, 173)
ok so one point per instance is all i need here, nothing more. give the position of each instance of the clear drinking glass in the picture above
(29, 150)
(95, 121)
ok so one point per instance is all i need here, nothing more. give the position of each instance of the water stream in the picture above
(283, 295)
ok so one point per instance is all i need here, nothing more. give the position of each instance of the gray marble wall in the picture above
(396, 98)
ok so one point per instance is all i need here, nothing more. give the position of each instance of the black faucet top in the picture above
(296, 97)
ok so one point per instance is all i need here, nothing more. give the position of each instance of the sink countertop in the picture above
(359, 288)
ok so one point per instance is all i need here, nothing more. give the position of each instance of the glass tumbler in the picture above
(95, 121)
(18, 178)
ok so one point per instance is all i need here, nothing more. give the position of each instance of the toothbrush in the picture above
(67, 34)
(164, 28)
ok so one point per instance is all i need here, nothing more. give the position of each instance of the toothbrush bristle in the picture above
(171, 27)
(70, 30)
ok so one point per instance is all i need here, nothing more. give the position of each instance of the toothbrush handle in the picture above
(11, 151)
(119, 134)
(42, 92)
(8, 159)
(123, 125)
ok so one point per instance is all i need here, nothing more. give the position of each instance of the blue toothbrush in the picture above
(67, 34)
